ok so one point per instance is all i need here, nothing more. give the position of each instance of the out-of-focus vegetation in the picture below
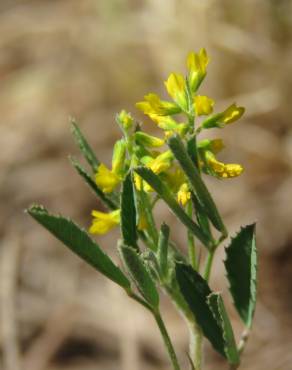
(89, 59)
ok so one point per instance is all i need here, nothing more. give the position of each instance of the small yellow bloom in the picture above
(232, 170)
(221, 169)
(183, 195)
(104, 222)
(105, 179)
(176, 88)
(203, 105)
(154, 105)
(161, 163)
(197, 66)
(232, 113)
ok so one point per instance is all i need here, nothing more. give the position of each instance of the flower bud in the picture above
(147, 140)
(119, 155)
(125, 120)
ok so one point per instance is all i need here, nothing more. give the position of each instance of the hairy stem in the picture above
(208, 266)
(167, 341)
(163, 331)
(191, 240)
(196, 345)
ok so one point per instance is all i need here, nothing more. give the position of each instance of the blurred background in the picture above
(89, 59)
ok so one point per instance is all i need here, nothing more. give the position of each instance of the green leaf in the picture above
(80, 243)
(162, 252)
(128, 213)
(139, 274)
(84, 146)
(164, 192)
(195, 291)
(177, 147)
(241, 267)
(106, 200)
(217, 306)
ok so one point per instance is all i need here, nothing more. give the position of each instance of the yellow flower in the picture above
(106, 179)
(161, 163)
(221, 169)
(203, 105)
(232, 113)
(197, 66)
(183, 195)
(104, 222)
(176, 88)
(154, 105)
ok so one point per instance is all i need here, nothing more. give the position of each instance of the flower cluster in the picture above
(186, 115)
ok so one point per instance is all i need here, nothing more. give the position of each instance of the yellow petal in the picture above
(154, 105)
(161, 163)
(223, 170)
(203, 105)
(183, 195)
(232, 113)
(105, 179)
(175, 86)
(145, 107)
(232, 170)
(104, 222)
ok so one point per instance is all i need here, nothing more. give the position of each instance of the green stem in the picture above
(147, 209)
(166, 340)
(191, 240)
(141, 301)
(208, 266)
(243, 340)
(196, 345)
(161, 326)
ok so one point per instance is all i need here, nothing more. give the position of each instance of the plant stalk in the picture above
(196, 345)
(191, 240)
(208, 266)
(167, 341)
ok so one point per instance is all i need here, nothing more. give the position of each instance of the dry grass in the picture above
(89, 59)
